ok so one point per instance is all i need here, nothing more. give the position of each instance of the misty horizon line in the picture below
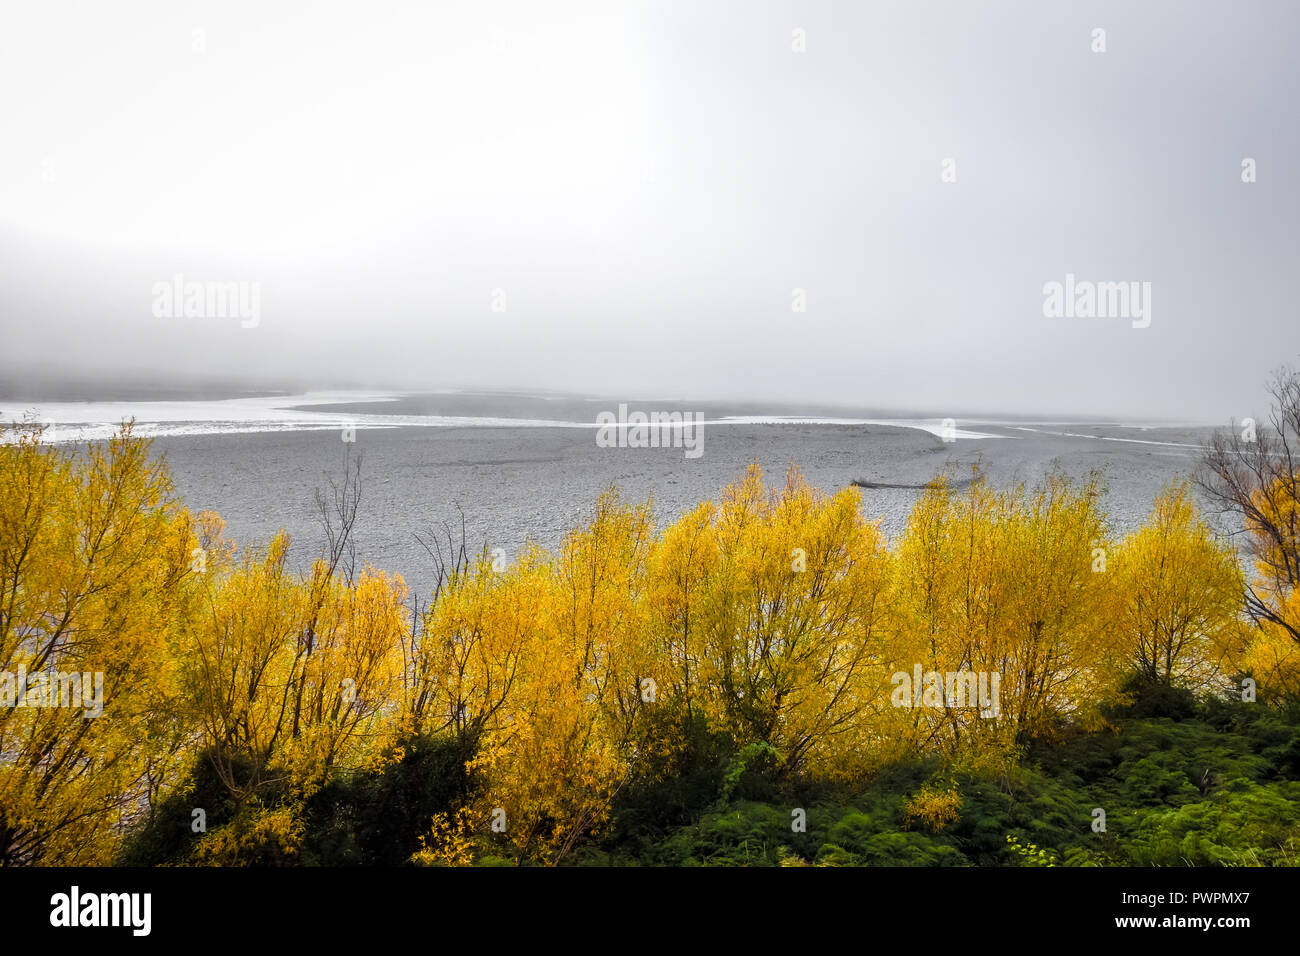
(48, 384)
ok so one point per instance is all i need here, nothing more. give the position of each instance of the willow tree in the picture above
(1012, 583)
(777, 604)
(95, 562)
(1251, 475)
(1179, 594)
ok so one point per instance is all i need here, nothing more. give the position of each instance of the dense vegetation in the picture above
(725, 689)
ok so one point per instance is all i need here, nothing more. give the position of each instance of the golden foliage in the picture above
(1002, 582)
(772, 612)
(1273, 654)
(449, 842)
(932, 809)
(94, 580)
(1179, 593)
(778, 616)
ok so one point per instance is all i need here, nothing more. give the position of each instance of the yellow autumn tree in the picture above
(1179, 598)
(471, 650)
(1252, 474)
(773, 610)
(563, 741)
(346, 693)
(94, 556)
(289, 678)
(1009, 585)
(1273, 523)
(240, 668)
(1053, 654)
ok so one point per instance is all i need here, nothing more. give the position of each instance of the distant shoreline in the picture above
(156, 416)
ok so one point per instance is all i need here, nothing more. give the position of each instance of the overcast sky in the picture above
(647, 185)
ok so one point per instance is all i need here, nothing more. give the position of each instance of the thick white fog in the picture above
(629, 199)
